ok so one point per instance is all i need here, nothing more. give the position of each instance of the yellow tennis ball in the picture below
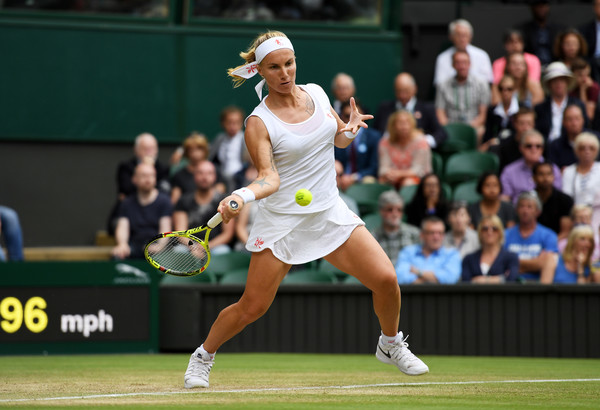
(303, 197)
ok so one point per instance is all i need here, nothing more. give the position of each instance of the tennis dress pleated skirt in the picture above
(300, 238)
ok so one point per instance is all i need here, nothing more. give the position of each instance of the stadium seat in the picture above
(408, 192)
(308, 276)
(461, 137)
(465, 166)
(234, 277)
(466, 191)
(367, 195)
(223, 263)
(327, 267)
(437, 164)
(204, 277)
(351, 280)
(372, 221)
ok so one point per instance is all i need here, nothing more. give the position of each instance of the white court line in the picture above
(287, 389)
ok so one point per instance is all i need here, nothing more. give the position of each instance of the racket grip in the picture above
(218, 218)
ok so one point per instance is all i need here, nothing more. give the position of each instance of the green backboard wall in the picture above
(95, 82)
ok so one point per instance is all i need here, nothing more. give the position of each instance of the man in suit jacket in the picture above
(549, 113)
(539, 33)
(361, 158)
(405, 88)
(590, 32)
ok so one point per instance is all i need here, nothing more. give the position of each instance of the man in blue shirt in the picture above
(536, 245)
(429, 262)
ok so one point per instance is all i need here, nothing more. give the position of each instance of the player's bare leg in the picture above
(362, 257)
(264, 276)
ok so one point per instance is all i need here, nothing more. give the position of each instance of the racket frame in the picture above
(189, 234)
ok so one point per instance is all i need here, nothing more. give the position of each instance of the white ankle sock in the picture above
(211, 355)
(388, 339)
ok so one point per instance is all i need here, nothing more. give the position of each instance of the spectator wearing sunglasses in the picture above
(517, 177)
(393, 234)
(492, 263)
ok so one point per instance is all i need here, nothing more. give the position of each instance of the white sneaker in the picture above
(399, 355)
(198, 370)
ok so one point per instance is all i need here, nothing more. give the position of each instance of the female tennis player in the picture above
(290, 136)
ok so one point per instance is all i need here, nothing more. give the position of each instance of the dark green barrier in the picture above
(84, 82)
(78, 307)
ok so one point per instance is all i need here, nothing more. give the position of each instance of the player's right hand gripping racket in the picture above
(183, 253)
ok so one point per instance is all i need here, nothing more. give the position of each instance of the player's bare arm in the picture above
(261, 152)
(357, 120)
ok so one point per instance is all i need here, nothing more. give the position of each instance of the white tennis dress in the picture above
(304, 156)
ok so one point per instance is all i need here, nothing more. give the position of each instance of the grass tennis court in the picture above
(276, 381)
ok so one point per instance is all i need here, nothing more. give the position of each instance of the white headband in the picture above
(249, 70)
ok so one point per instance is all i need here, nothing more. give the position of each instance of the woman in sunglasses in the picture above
(492, 263)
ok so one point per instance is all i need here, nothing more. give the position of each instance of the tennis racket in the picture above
(183, 253)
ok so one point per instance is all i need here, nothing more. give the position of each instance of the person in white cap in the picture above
(291, 136)
(558, 79)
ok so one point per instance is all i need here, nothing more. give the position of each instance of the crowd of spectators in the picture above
(537, 218)
(535, 108)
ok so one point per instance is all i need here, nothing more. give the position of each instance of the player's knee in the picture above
(251, 312)
(389, 282)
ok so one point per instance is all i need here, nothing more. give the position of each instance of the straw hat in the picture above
(558, 69)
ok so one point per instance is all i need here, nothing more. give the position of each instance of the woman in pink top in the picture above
(513, 43)
(529, 92)
(404, 155)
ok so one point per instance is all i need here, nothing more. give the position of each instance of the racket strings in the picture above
(178, 254)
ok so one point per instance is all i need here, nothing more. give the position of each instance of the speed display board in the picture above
(78, 307)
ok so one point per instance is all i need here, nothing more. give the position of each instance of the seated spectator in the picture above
(342, 88)
(463, 98)
(404, 155)
(582, 180)
(360, 158)
(405, 88)
(141, 215)
(460, 236)
(339, 175)
(582, 215)
(508, 150)
(195, 150)
(558, 79)
(539, 33)
(529, 92)
(490, 188)
(228, 150)
(560, 151)
(429, 262)
(196, 208)
(492, 263)
(570, 45)
(556, 205)
(145, 146)
(498, 124)
(393, 234)
(535, 244)
(586, 89)
(517, 176)
(513, 43)
(429, 200)
(574, 264)
(11, 235)
(461, 34)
